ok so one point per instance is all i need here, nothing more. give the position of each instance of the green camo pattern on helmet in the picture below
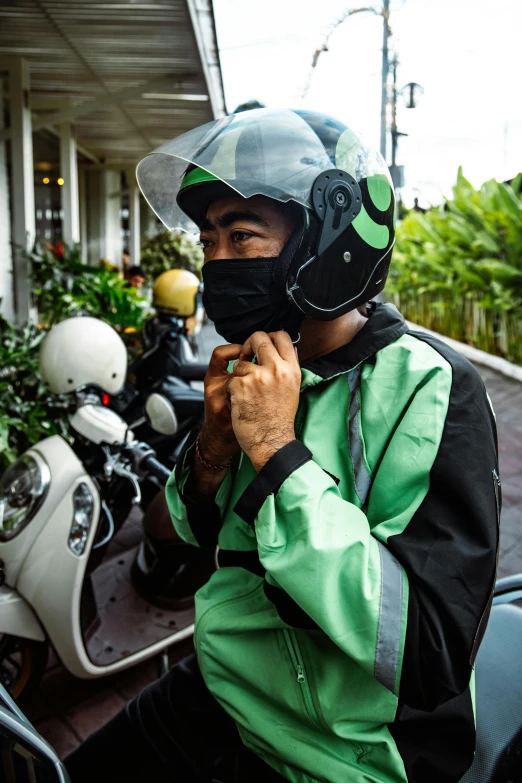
(196, 176)
(380, 192)
(348, 152)
(371, 232)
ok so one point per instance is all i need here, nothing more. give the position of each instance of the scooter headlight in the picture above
(83, 505)
(23, 487)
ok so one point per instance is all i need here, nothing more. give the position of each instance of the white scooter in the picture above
(58, 508)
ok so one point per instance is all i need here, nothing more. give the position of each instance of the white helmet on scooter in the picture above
(83, 351)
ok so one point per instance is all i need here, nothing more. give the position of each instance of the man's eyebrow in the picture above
(228, 218)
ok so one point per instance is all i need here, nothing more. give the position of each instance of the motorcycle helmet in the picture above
(83, 351)
(175, 292)
(342, 186)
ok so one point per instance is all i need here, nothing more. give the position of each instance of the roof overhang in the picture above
(129, 75)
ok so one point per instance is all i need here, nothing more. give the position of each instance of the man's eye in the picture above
(240, 236)
(204, 243)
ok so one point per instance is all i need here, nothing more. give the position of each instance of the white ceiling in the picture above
(161, 55)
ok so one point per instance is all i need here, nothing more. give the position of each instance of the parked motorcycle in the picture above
(167, 364)
(60, 505)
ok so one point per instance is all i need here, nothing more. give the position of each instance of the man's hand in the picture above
(217, 439)
(264, 397)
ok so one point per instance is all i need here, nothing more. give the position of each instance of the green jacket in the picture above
(357, 568)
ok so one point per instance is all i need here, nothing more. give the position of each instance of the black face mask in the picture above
(241, 297)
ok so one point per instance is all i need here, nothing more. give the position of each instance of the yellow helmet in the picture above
(175, 292)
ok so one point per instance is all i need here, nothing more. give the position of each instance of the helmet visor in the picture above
(268, 152)
(277, 153)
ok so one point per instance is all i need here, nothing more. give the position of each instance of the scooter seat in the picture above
(498, 757)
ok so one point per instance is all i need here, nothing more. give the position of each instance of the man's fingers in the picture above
(258, 341)
(246, 354)
(242, 368)
(284, 346)
(221, 356)
(262, 347)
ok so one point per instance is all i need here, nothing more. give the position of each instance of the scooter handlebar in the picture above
(153, 466)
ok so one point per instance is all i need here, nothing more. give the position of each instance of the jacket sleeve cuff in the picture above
(267, 482)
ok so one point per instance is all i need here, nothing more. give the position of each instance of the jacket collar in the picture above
(385, 325)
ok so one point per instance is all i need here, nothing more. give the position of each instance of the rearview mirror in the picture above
(160, 412)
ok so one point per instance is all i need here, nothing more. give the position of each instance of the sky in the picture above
(464, 53)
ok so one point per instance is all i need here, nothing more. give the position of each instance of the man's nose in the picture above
(221, 251)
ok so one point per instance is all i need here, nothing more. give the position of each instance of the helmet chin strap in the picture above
(293, 316)
(293, 323)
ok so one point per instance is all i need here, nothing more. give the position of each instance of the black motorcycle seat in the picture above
(193, 371)
(188, 368)
(498, 758)
(177, 391)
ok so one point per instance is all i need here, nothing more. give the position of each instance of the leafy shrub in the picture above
(63, 287)
(25, 415)
(170, 250)
(458, 269)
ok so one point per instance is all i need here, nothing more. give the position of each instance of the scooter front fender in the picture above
(16, 616)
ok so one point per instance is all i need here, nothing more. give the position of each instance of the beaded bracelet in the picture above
(209, 465)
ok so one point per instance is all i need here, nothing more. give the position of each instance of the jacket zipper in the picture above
(480, 633)
(297, 661)
(216, 607)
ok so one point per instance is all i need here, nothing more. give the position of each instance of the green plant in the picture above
(170, 250)
(63, 286)
(458, 269)
(25, 416)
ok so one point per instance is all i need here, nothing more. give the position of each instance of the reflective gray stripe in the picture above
(362, 478)
(390, 619)
(491, 406)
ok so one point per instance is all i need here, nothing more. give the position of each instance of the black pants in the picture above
(173, 731)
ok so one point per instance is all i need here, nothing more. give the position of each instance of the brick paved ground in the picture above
(66, 710)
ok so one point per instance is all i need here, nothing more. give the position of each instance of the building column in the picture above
(134, 218)
(22, 184)
(111, 216)
(103, 218)
(69, 190)
(6, 263)
(84, 231)
(148, 220)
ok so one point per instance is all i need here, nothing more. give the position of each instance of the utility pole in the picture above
(385, 71)
(397, 172)
(394, 132)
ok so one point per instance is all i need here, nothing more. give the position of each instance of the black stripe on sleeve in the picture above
(267, 482)
(204, 520)
(288, 610)
(241, 559)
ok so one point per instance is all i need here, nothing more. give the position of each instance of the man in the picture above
(346, 468)
(126, 261)
(135, 277)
